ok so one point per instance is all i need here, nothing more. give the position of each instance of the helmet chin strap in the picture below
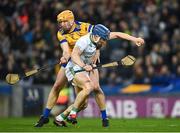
(95, 39)
(71, 23)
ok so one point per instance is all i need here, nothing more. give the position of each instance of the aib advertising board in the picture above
(134, 107)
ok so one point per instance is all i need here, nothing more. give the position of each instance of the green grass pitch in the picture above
(92, 125)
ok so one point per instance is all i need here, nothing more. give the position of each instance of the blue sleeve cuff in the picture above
(64, 65)
(62, 41)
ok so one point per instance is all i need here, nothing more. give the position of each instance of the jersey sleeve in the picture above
(81, 44)
(61, 38)
(87, 27)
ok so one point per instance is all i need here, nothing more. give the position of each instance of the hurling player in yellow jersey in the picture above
(69, 32)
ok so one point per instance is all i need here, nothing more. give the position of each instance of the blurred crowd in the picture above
(28, 37)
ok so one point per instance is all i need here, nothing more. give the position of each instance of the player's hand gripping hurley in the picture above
(129, 60)
(14, 78)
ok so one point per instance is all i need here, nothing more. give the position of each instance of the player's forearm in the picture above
(75, 57)
(77, 60)
(98, 52)
(122, 35)
(66, 54)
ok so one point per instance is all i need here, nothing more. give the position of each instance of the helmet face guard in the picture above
(67, 17)
(65, 27)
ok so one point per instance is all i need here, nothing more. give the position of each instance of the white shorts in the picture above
(70, 70)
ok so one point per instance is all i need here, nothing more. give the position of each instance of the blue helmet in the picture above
(101, 31)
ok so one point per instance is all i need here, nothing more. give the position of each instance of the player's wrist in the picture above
(83, 66)
(65, 58)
